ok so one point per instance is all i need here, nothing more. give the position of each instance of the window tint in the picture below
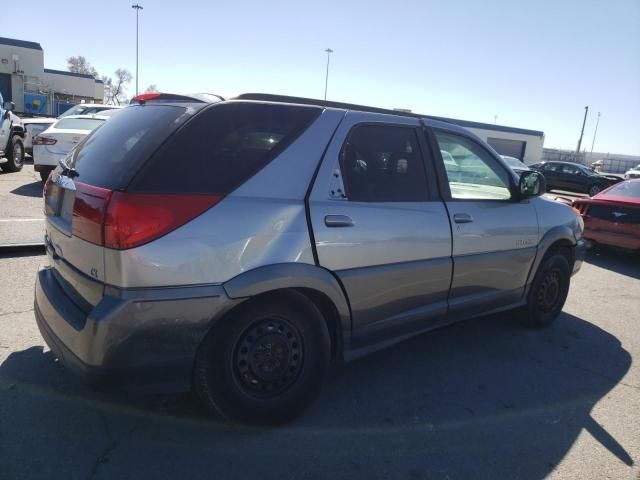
(382, 163)
(112, 153)
(78, 124)
(476, 174)
(222, 147)
(553, 167)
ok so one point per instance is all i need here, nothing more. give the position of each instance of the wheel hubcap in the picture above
(594, 191)
(268, 357)
(17, 155)
(549, 291)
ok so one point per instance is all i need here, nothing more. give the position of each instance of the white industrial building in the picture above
(516, 142)
(38, 90)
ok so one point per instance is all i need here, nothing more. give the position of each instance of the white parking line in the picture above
(9, 220)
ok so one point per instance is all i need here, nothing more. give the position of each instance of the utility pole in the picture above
(595, 132)
(137, 9)
(586, 110)
(326, 78)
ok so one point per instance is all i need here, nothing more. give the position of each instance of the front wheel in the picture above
(593, 190)
(548, 292)
(265, 361)
(15, 155)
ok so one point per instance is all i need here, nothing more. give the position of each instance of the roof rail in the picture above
(267, 97)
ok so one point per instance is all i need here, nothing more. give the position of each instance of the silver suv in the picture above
(239, 247)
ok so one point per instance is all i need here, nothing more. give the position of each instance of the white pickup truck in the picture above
(11, 138)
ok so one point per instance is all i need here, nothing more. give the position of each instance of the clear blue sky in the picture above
(534, 64)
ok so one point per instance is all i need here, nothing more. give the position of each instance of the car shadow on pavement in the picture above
(623, 262)
(33, 189)
(484, 398)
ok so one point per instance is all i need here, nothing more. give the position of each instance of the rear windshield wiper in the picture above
(67, 170)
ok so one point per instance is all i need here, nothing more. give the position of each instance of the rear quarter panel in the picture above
(262, 222)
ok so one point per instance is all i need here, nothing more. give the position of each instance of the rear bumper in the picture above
(42, 156)
(143, 340)
(619, 239)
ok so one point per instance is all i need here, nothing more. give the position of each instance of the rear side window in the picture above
(111, 154)
(383, 163)
(78, 124)
(222, 147)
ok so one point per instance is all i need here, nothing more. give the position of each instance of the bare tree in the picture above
(115, 88)
(80, 64)
(153, 88)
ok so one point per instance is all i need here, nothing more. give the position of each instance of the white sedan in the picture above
(35, 126)
(632, 173)
(55, 143)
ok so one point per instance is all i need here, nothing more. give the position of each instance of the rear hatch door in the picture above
(78, 192)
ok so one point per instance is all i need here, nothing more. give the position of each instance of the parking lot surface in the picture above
(485, 398)
(21, 216)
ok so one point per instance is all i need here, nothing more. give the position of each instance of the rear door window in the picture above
(383, 163)
(222, 147)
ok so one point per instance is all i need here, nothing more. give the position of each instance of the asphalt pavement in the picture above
(21, 215)
(484, 399)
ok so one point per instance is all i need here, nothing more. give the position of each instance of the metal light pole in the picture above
(326, 78)
(586, 110)
(594, 133)
(137, 8)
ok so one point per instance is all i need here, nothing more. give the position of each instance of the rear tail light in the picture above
(133, 219)
(38, 140)
(89, 211)
(122, 220)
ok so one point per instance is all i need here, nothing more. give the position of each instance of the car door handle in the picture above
(338, 221)
(462, 218)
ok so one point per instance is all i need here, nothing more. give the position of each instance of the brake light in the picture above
(146, 96)
(133, 219)
(88, 212)
(38, 140)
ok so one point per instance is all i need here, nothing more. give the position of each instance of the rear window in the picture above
(626, 189)
(110, 155)
(222, 147)
(78, 123)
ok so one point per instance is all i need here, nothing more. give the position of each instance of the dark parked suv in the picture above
(573, 177)
(238, 247)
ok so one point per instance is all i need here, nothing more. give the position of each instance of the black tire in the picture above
(548, 292)
(594, 189)
(44, 175)
(265, 361)
(14, 155)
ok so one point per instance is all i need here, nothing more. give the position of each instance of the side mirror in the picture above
(9, 106)
(532, 184)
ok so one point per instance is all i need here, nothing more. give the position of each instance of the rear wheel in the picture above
(593, 190)
(549, 291)
(15, 155)
(265, 361)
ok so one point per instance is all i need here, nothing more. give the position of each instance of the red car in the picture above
(612, 217)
